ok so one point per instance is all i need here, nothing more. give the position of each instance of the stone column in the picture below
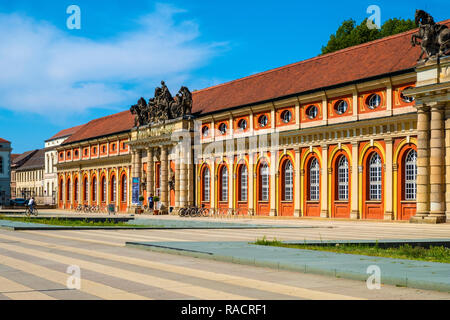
(177, 179)
(297, 189)
(447, 169)
(354, 214)
(388, 191)
(190, 178)
(423, 126)
(324, 183)
(164, 177)
(212, 184)
(437, 170)
(149, 182)
(183, 184)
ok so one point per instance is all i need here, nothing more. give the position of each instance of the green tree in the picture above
(349, 34)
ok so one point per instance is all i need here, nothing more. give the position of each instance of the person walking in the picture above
(150, 202)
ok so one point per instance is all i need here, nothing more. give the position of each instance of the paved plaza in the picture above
(33, 264)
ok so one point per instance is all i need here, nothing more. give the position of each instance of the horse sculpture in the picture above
(435, 38)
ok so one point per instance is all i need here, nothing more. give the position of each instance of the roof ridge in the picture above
(107, 116)
(361, 45)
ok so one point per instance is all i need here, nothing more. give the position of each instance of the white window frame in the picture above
(224, 182)
(314, 180)
(375, 177)
(264, 172)
(206, 184)
(243, 182)
(288, 181)
(410, 168)
(342, 171)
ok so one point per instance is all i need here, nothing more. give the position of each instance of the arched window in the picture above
(243, 179)
(85, 189)
(410, 175)
(264, 174)
(94, 189)
(69, 190)
(224, 183)
(61, 188)
(206, 184)
(288, 181)
(342, 172)
(113, 188)
(314, 180)
(103, 184)
(375, 177)
(123, 196)
(76, 189)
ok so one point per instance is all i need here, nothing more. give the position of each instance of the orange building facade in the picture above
(335, 136)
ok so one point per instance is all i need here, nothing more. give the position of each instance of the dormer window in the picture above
(341, 107)
(373, 101)
(223, 128)
(263, 120)
(205, 131)
(242, 124)
(312, 111)
(286, 116)
(405, 98)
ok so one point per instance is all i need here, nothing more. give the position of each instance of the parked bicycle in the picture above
(193, 212)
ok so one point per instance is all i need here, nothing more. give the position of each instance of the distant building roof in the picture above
(36, 161)
(65, 133)
(3, 141)
(20, 159)
(115, 123)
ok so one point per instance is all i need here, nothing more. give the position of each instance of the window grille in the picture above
(343, 178)
(244, 183)
(314, 177)
(410, 175)
(224, 184)
(288, 181)
(375, 177)
(264, 172)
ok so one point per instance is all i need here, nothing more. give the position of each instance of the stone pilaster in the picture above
(423, 127)
(437, 170)
(388, 213)
(183, 180)
(251, 179)
(354, 214)
(297, 193)
(273, 183)
(324, 183)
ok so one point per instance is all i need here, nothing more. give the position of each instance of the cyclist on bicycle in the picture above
(31, 204)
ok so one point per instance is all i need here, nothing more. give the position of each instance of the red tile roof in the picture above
(371, 59)
(376, 58)
(3, 140)
(115, 123)
(65, 132)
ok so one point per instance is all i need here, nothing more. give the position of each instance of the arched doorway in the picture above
(263, 188)
(373, 185)
(286, 187)
(312, 186)
(340, 190)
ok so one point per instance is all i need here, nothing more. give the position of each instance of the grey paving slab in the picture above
(399, 272)
(145, 224)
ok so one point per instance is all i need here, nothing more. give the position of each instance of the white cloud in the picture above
(46, 70)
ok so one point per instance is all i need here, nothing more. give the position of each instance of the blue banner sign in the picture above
(135, 191)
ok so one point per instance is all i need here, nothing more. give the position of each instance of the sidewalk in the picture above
(399, 272)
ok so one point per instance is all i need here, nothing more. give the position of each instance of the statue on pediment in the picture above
(434, 38)
(163, 106)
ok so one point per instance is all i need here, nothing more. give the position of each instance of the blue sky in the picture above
(52, 78)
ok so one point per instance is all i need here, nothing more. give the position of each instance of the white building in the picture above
(51, 158)
(5, 171)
